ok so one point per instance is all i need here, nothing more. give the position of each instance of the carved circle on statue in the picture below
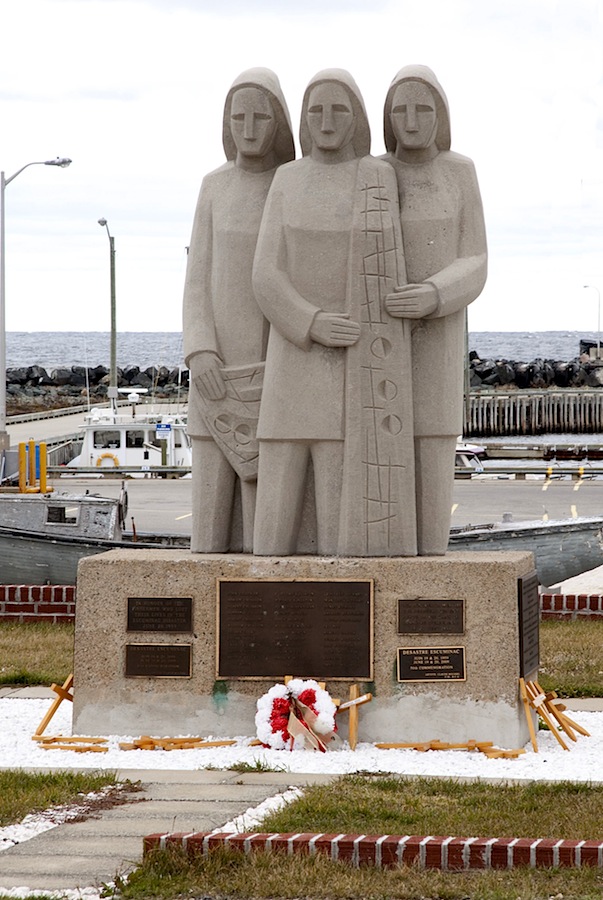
(387, 389)
(391, 424)
(243, 434)
(223, 424)
(381, 348)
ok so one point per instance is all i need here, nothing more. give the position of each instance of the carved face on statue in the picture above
(252, 122)
(330, 117)
(413, 116)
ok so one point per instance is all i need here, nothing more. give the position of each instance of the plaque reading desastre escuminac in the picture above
(267, 629)
(167, 614)
(529, 624)
(431, 664)
(158, 660)
(424, 616)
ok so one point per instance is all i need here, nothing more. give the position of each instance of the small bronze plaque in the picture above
(158, 660)
(529, 624)
(431, 664)
(268, 629)
(171, 614)
(424, 616)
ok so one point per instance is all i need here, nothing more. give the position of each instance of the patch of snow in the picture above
(19, 719)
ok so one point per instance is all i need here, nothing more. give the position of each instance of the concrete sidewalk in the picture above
(89, 853)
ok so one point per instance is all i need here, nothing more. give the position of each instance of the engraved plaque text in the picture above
(430, 617)
(431, 664)
(158, 660)
(171, 614)
(268, 629)
(529, 624)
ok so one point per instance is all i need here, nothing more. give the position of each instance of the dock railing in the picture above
(523, 412)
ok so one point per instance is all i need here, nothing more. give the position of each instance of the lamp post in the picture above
(112, 393)
(593, 287)
(62, 162)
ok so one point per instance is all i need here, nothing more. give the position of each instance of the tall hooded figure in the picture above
(225, 333)
(337, 390)
(445, 248)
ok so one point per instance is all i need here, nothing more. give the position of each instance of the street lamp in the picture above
(594, 288)
(62, 162)
(112, 392)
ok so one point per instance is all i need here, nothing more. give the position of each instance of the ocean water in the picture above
(51, 349)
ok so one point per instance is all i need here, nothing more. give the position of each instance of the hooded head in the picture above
(361, 140)
(425, 76)
(267, 82)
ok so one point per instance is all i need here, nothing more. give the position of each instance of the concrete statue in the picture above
(445, 248)
(337, 391)
(225, 333)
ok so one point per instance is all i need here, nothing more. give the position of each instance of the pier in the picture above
(525, 412)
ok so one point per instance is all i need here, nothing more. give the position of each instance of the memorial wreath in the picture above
(291, 716)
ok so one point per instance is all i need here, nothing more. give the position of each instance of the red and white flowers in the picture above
(296, 715)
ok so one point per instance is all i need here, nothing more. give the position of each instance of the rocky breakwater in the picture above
(540, 374)
(33, 388)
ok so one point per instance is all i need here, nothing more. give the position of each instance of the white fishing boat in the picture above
(142, 438)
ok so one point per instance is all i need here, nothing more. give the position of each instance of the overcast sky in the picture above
(133, 91)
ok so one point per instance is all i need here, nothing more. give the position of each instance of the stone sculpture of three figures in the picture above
(318, 293)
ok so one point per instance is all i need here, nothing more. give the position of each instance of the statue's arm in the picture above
(199, 332)
(200, 343)
(284, 307)
(463, 280)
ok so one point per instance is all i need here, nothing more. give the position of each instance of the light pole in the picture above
(593, 287)
(62, 162)
(112, 393)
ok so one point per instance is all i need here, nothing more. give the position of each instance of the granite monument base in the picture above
(173, 643)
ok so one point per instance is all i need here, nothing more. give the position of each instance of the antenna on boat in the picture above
(133, 396)
(112, 391)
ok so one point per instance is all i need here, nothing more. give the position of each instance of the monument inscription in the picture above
(167, 614)
(529, 624)
(158, 660)
(267, 629)
(423, 616)
(431, 664)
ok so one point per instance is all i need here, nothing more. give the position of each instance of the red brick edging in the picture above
(56, 603)
(51, 603)
(389, 850)
(570, 606)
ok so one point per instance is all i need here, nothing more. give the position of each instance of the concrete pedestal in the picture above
(484, 706)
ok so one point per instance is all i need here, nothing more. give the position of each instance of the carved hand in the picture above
(206, 375)
(334, 330)
(413, 301)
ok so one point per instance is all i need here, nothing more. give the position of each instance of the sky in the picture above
(133, 92)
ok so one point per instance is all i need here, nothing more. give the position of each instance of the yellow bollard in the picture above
(28, 483)
(22, 468)
(43, 465)
(32, 464)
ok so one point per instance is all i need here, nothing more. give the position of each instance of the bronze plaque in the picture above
(424, 616)
(158, 660)
(268, 629)
(171, 614)
(431, 664)
(529, 624)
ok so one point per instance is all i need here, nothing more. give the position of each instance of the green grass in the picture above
(260, 765)
(22, 793)
(396, 806)
(571, 657)
(169, 876)
(36, 653)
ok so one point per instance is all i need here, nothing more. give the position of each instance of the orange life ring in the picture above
(112, 456)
